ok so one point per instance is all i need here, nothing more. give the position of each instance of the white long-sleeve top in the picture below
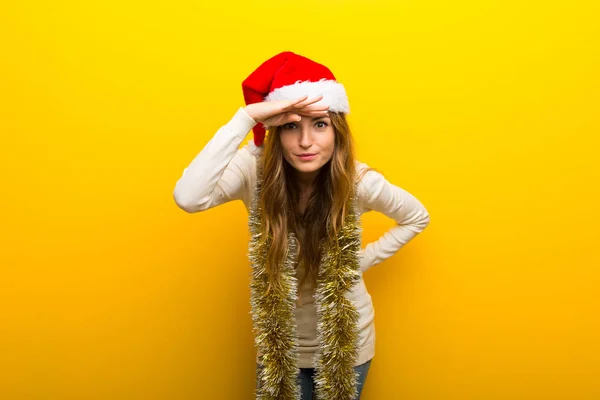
(223, 172)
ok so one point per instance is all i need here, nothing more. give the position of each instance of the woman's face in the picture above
(308, 144)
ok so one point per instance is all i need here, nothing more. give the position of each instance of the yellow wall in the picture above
(486, 111)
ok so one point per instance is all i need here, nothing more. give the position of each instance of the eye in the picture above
(289, 125)
(322, 122)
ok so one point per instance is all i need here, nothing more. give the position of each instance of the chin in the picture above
(307, 167)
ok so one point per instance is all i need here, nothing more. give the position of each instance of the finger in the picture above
(289, 117)
(313, 113)
(317, 113)
(300, 102)
(292, 103)
(322, 107)
(303, 103)
(293, 117)
(307, 102)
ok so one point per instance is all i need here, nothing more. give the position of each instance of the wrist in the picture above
(250, 113)
(241, 122)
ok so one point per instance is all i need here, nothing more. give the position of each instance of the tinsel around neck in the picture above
(273, 311)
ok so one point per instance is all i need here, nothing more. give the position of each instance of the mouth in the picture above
(306, 156)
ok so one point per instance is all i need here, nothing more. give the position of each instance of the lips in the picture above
(307, 156)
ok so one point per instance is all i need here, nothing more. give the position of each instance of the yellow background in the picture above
(487, 111)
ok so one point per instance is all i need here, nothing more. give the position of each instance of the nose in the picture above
(305, 137)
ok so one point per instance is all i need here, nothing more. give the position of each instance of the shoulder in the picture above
(370, 183)
(367, 177)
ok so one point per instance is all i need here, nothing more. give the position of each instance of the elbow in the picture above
(426, 217)
(422, 222)
(186, 203)
(425, 220)
(182, 203)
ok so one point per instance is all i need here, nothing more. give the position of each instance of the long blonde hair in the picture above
(327, 206)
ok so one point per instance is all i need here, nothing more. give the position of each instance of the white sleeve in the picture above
(411, 217)
(219, 173)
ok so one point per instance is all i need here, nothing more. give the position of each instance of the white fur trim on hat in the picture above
(334, 93)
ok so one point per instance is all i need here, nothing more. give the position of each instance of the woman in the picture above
(304, 192)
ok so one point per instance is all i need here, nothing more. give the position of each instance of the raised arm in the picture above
(411, 217)
(219, 172)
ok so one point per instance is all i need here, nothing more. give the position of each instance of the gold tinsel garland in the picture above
(273, 312)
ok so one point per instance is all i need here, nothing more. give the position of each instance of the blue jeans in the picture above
(305, 378)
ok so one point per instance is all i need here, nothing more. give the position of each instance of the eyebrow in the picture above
(321, 117)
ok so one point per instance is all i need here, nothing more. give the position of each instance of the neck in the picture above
(306, 180)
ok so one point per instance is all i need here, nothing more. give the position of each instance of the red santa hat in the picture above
(287, 76)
